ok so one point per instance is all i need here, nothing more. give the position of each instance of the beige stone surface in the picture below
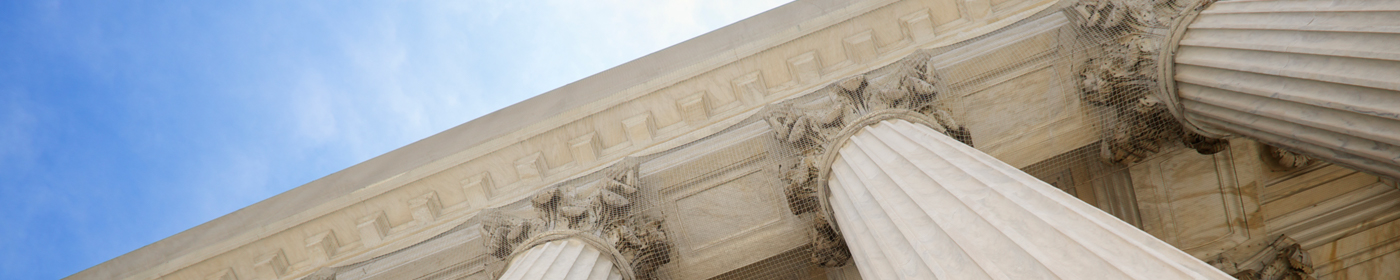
(724, 206)
(1369, 254)
(1346, 219)
(913, 203)
(1315, 76)
(1013, 92)
(1005, 69)
(456, 254)
(1193, 201)
(1083, 174)
(1335, 214)
(1317, 79)
(659, 101)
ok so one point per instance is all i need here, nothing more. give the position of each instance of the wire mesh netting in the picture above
(1069, 94)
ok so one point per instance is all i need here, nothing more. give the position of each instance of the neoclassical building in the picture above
(889, 139)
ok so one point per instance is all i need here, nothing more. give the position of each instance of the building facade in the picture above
(889, 139)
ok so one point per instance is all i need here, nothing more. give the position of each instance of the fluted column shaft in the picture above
(571, 259)
(1319, 77)
(913, 203)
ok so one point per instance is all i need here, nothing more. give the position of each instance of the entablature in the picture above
(417, 192)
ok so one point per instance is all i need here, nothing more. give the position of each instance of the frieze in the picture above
(472, 178)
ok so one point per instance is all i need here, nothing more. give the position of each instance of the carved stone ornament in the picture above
(1123, 77)
(1289, 262)
(807, 127)
(1278, 159)
(325, 273)
(605, 209)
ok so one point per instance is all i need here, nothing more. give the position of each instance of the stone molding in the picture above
(1284, 259)
(674, 108)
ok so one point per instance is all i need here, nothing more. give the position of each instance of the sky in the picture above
(125, 122)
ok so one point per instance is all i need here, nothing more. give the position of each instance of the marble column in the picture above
(570, 258)
(913, 203)
(1319, 77)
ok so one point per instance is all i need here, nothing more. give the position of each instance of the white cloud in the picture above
(407, 72)
(390, 75)
(536, 46)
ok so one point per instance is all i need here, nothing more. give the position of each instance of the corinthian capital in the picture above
(602, 211)
(806, 128)
(1125, 75)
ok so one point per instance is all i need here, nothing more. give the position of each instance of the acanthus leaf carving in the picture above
(1122, 77)
(1289, 262)
(1279, 159)
(503, 232)
(808, 125)
(642, 240)
(605, 208)
(828, 247)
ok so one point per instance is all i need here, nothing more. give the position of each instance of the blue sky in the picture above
(124, 122)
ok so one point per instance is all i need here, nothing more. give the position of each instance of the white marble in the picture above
(564, 259)
(1325, 82)
(915, 204)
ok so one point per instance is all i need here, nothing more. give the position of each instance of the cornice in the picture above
(429, 187)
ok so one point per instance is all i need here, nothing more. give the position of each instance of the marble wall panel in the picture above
(1370, 254)
(1011, 91)
(1027, 119)
(731, 208)
(722, 203)
(1192, 201)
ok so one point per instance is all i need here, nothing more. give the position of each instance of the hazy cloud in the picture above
(151, 118)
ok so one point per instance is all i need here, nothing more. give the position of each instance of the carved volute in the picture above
(603, 210)
(1279, 159)
(810, 127)
(1285, 259)
(1124, 78)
